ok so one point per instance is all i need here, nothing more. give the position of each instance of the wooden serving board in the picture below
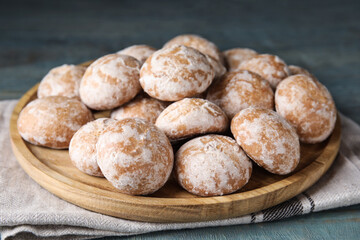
(53, 170)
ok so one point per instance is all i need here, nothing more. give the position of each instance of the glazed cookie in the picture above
(135, 156)
(62, 81)
(140, 52)
(190, 117)
(52, 121)
(234, 57)
(82, 149)
(239, 90)
(270, 67)
(199, 43)
(212, 165)
(268, 139)
(176, 72)
(110, 81)
(308, 106)
(140, 107)
(294, 70)
(218, 68)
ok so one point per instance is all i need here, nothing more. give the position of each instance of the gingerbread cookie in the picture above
(135, 156)
(190, 117)
(270, 67)
(241, 89)
(110, 81)
(140, 52)
(52, 121)
(268, 139)
(62, 81)
(308, 106)
(234, 57)
(82, 149)
(212, 165)
(199, 43)
(141, 107)
(176, 72)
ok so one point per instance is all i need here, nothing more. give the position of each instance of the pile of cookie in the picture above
(218, 106)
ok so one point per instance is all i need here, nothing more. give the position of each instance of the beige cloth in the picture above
(27, 211)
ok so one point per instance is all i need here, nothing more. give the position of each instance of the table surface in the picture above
(322, 36)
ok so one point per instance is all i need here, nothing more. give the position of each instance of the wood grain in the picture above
(53, 170)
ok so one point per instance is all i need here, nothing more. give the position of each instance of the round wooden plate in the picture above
(53, 170)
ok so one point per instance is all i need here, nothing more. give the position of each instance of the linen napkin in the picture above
(27, 211)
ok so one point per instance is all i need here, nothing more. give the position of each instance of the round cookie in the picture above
(140, 52)
(82, 149)
(294, 70)
(308, 106)
(135, 156)
(52, 121)
(110, 81)
(141, 107)
(176, 72)
(239, 90)
(268, 139)
(234, 57)
(270, 67)
(218, 68)
(191, 116)
(212, 165)
(62, 81)
(199, 43)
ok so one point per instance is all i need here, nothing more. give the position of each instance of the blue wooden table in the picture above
(322, 36)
